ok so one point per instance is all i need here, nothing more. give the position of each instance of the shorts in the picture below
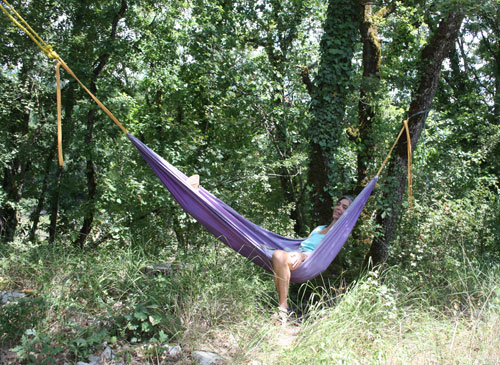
(270, 250)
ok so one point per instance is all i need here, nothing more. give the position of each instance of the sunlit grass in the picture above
(220, 302)
(373, 323)
(110, 292)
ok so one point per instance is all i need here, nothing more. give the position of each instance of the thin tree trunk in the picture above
(8, 214)
(91, 181)
(430, 71)
(370, 83)
(54, 205)
(496, 109)
(90, 170)
(35, 216)
(69, 103)
(294, 194)
(291, 186)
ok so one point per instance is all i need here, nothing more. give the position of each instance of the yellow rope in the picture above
(389, 154)
(410, 175)
(98, 102)
(410, 179)
(49, 52)
(59, 124)
(47, 49)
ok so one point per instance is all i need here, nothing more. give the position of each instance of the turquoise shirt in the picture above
(311, 242)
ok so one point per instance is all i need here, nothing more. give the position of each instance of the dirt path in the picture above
(281, 338)
(286, 336)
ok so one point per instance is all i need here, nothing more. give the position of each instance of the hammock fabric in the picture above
(244, 236)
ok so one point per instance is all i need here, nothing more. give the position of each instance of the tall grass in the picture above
(220, 302)
(373, 322)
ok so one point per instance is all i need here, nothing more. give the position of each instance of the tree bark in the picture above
(291, 186)
(369, 85)
(54, 205)
(8, 214)
(328, 105)
(35, 216)
(68, 98)
(432, 58)
(90, 174)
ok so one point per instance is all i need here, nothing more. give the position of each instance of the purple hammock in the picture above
(246, 237)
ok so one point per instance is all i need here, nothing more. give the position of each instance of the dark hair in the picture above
(346, 197)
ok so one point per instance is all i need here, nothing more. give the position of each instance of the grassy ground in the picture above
(77, 301)
(374, 324)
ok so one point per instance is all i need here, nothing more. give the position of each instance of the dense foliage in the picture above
(230, 91)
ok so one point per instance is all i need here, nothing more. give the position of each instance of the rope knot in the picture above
(49, 52)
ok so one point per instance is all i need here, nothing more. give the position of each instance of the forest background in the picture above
(279, 106)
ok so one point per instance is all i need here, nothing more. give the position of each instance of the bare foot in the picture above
(194, 181)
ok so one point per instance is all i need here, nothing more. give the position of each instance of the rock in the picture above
(174, 350)
(94, 360)
(107, 353)
(7, 356)
(207, 358)
(8, 296)
(82, 363)
(166, 268)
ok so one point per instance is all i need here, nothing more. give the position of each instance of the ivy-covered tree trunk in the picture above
(329, 103)
(369, 85)
(429, 70)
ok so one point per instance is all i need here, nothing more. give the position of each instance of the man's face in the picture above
(340, 208)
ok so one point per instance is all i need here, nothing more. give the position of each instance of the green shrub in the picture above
(19, 316)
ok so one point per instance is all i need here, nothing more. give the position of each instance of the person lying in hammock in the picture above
(284, 262)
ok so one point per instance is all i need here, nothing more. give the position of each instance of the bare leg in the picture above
(283, 264)
(281, 276)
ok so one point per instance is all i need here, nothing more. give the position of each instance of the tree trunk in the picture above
(497, 85)
(8, 214)
(68, 99)
(430, 71)
(90, 170)
(328, 105)
(369, 85)
(291, 186)
(90, 174)
(293, 191)
(278, 43)
(35, 216)
(54, 205)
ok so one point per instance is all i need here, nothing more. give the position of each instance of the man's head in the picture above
(342, 205)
